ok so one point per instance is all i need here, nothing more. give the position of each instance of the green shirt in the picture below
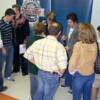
(32, 67)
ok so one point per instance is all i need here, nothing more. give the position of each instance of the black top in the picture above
(22, 31)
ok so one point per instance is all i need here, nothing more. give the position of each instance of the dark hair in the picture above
(16, 6)
(9, 12)
(72, 16)
(98, 28)
(87, 33)
(55, 28)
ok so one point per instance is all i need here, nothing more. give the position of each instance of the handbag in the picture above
(97, 62)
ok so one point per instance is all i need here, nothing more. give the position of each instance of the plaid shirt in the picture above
(48, 53)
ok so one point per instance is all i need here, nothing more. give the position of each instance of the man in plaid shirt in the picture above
(50, 57)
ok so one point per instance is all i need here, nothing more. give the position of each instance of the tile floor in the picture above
(20, 89)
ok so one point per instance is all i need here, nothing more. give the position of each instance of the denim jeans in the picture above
(33, 85)
(82, 86)
(68, 79)
(1, 77)
(8, 59)
(47, 85)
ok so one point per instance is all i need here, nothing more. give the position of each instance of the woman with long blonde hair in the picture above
(81, 63)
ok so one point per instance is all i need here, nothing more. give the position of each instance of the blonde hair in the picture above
(50, 15)
(39, 28)
(87, 33)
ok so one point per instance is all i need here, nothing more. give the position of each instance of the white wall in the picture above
(96, 13)
(4, 4)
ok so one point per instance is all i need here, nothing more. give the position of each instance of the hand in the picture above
(60, 72)
(24, 45)
(67, 48)
(4, 50)
(64, 37)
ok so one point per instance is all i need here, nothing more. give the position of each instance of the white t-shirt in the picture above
(70, 32)
(98, 38)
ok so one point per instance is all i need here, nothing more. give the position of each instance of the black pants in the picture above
(19, 61)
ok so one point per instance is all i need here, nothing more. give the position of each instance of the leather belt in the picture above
(55, 73)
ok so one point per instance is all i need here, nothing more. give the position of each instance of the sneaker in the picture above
(15, 72)
(70, 91)
(10, 79)
(24, 74)
(63, 85)
(4, 88)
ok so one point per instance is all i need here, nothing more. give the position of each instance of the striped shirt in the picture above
(6, 33)
(48, 53)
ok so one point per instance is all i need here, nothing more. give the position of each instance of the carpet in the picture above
(6, 97)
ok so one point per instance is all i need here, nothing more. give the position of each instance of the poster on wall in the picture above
(32, 10)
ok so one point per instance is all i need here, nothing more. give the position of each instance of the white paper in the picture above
(22, 48)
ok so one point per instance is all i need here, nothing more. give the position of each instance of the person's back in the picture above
(86, 54)
(51, 59)
(47, 49)
(81, 63)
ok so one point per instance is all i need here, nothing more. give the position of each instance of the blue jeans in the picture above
(33, 85)
(47, 85)
(1, 78)
(8, 59)
(82, 85)
(68, 79)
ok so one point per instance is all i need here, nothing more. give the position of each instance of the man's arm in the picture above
(1, 43)
(29, 55)
(61, 60)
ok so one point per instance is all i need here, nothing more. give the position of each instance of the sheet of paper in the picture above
(22, 48)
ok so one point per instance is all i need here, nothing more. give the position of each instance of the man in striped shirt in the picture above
(6, 54)
(50, 57)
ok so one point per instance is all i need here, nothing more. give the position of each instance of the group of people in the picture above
(51, 55)
(73, 58)
(14, 31)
